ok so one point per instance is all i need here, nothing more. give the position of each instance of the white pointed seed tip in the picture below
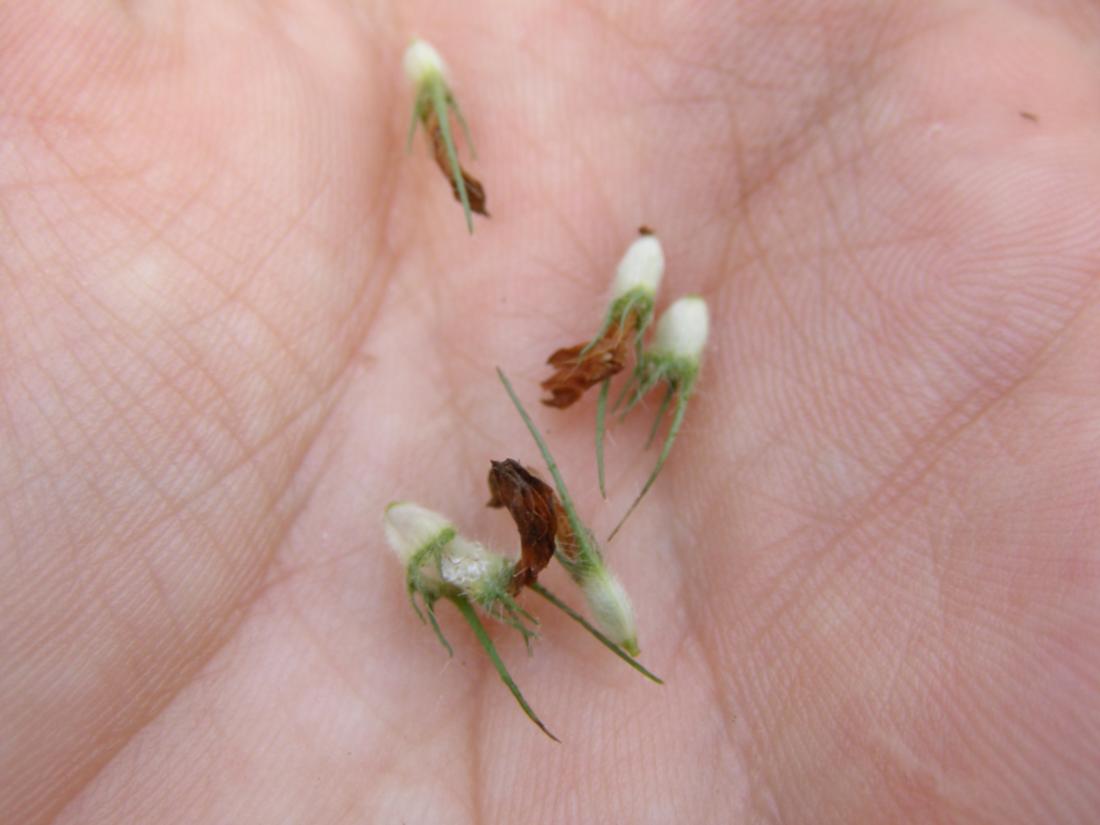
(642, 266)
(611, 608)
(422, 61)
(409, 527)
(683, 328)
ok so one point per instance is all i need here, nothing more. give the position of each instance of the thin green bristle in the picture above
(439, 103)
(471, 617)
(579, 530)
(415, 120)
(660, 415)
(673, 430)
(601, 427)
(462, 125)
(438, 630)
(604, 640)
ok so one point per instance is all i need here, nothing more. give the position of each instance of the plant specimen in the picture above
(579, 367)
(674, 360)
(582, 366)
(541, 519)
(432, 107)
(578, 553)
(441, 564)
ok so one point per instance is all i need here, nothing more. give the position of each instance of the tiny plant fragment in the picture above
(432, 107)
(533, 506)
(674, 361)
(582, 366)
(579, 554)
(544, 523)
(441, 564)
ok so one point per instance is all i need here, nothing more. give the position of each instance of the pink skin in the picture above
(237, 320)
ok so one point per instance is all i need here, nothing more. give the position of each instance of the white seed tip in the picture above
(422, 61)
(611, 608)
(683, 328)
(410, 527)
(642, 266)
(465, 563)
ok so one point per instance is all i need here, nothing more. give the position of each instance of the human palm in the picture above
(238, 320)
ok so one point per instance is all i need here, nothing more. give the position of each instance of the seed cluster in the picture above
(441, 563)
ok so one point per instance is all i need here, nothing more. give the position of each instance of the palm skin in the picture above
(238, 320)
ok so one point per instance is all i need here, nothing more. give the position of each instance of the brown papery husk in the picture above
(475, 192)
(580, 367)
(539, 517)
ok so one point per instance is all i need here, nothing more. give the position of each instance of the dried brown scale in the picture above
(475, 192)
(577, 369)
(534, 508)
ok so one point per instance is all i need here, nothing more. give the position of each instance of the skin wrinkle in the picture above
(1019, 777)
(1039, 662)
(248, 458)
(834, 103)
(383, 768)
(248, 453)
(476, 722)
(159, 234)
(903, 657)
(228, 296)
(863, 513)
(117, 445)
(297, 366)
(104, 307)
(51, 429)
(17, 236)
(388, 187)
(853, 265)
(608, 203)
(757, 243)
(60, 397)
(455, 387)
(210, 651)
(581, 279)
(699, 623)
(768, 792)
(893, 682)
(639, 55)
(195, 366)
(757, 239)
(74, 419)
(209, 721)
(730, 718)
(203, 655)
(306, 496)
(334, 663)
(978, 415)
(84, 180)
(935, 444)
